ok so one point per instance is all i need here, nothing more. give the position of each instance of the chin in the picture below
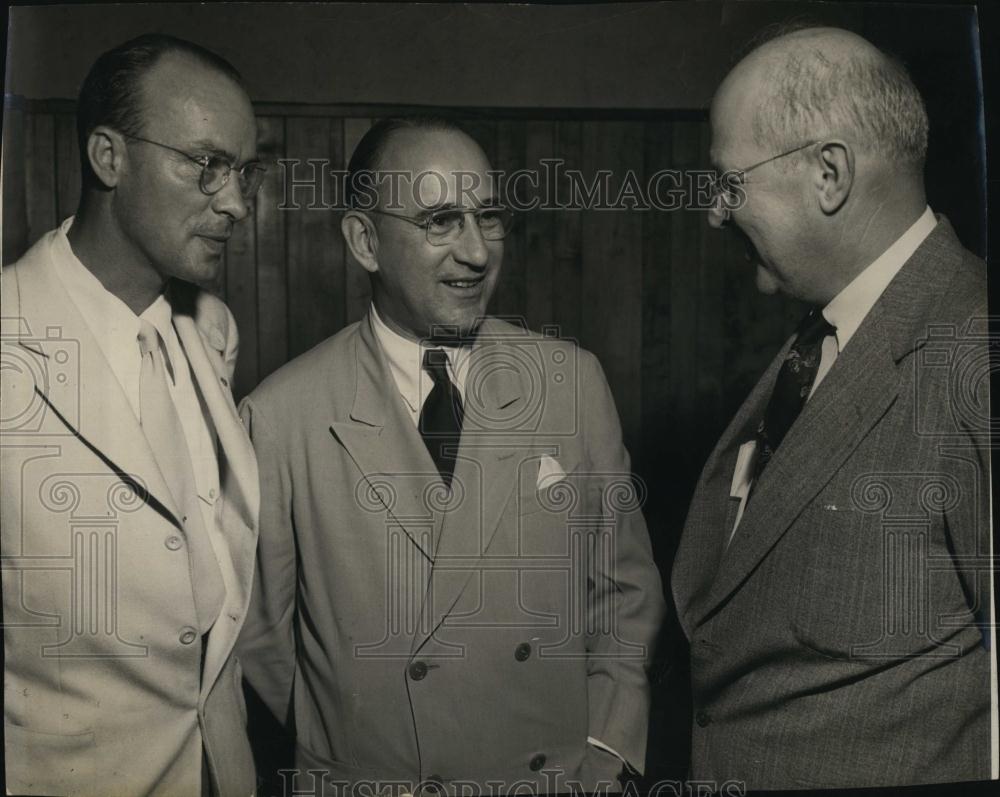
(766, 282)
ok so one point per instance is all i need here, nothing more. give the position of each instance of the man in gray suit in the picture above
(833, 573)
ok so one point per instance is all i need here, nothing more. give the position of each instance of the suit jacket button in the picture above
(173, 543)
(188, 635)
(418, 670)
(703, 718)
(537, 762)
(522, 651)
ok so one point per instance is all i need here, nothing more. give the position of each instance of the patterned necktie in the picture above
(162, 427)
(792, 387)
(441, 417)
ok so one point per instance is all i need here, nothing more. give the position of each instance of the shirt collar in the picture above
(849, 307)
(405, 358)
(111, 321)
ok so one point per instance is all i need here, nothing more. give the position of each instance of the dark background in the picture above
(668, 305)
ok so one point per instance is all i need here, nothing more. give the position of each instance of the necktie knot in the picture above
(793, 385)
(149, 338)
(436, 364)
(813, 328)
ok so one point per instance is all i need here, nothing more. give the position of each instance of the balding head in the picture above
(818, 83)
(827, 137)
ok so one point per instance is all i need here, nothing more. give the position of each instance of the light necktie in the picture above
(793, 385)
(162, 426)
(441, 416)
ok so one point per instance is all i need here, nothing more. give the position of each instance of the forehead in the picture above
(731, 119)
(191, 102)
(441, 166)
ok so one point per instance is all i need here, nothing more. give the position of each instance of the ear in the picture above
(106, 153)
(362, 239)
(835, 175)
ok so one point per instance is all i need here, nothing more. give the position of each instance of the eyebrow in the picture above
(209, 148)
(490, 202)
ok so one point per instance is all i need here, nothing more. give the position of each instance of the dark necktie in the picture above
(792, 387)
(441, 417)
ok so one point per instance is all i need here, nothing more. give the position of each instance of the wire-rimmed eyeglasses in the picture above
(727, 189)
(445, 226)
(215, 170)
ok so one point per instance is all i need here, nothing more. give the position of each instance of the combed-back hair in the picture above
(809, 94)
(368, 154)
(111, 94)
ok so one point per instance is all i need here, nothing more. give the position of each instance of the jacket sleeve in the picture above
(625, 604)
(266, 646)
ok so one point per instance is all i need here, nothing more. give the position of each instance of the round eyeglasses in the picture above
(215, 170)
(446, 225)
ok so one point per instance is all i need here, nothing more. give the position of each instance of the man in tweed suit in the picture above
(833, 573)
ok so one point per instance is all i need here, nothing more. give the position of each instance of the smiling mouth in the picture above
(466, 284)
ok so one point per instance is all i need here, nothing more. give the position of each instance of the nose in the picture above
(229, 201)
(470, 248)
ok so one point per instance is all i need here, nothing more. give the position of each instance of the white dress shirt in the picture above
(845, 311)
(405, 358)
(116, 329)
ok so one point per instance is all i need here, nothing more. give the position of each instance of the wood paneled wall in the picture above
(666, 303)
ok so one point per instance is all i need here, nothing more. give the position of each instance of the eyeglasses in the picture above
(215, 170)
(445, 226)
(725, 193)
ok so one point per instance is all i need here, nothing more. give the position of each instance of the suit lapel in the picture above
(856, 393)
(486, 472)
(399, 475)
(859, 389)
(239, 482)
(209, 372)
(81, 389)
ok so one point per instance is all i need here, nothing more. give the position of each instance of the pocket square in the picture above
(549, 472)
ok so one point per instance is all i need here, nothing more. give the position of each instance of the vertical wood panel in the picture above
(67, 166)
(658, 417)
(241, 296)
(315, 254)
(710, 334)
(510, 296)
(539, 233)
(357, 287)
(15, 216)
(40, 168)
(568, 260)
(685, 262)
(272, 268)
(612, 270)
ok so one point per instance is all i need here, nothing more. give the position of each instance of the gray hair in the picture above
(868, 98)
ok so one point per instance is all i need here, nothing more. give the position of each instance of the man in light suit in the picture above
(833, 576)
(455, 583)
(130, 489)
